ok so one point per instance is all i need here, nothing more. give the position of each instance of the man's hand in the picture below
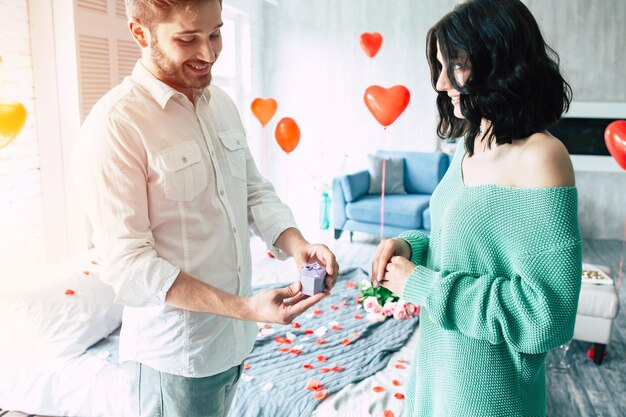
(281, 305)
(319, 253)
(387, 249)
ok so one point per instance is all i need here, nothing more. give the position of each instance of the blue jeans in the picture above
(166, 395)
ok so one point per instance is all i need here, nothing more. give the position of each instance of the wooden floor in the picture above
(583, 389)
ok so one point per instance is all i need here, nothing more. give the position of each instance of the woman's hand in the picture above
(397, 274)
(387, 249)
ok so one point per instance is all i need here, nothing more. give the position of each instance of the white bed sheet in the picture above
(93, 384)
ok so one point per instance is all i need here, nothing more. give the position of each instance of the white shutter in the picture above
(106, 51)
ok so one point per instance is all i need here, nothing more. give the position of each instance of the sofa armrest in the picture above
(355, 185)
(339, 205)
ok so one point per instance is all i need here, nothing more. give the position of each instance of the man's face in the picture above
(184, 48)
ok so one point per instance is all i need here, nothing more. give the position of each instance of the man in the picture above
(171, 190)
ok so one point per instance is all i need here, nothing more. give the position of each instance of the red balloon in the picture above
(615, 139)
(287, 134)
(264, 109)
(371, 43)
(387, 104)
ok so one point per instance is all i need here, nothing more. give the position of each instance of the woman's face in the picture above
(461, 70)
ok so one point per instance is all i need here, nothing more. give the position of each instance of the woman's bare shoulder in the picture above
(545, 162)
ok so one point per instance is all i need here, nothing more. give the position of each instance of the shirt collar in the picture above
(160, 91)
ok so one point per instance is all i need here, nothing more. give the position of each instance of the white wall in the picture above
(21, 214)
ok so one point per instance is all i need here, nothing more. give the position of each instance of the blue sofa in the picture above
(357, 211)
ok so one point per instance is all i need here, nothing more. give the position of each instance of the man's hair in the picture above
(152, 12)
(514, 79)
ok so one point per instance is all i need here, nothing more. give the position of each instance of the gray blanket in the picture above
(274, 383)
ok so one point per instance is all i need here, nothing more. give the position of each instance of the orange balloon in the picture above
(371, 43)
(615, 139)
(264, 109)
(386, 104)
(287, 134)
(12, 119)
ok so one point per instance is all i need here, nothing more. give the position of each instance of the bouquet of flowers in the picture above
(380, 303)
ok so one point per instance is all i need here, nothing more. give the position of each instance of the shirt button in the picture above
(184, 159)
(221, 192)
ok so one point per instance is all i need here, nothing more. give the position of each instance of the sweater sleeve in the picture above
(419, 245)
(533, 309)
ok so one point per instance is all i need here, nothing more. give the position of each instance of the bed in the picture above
(92, 382)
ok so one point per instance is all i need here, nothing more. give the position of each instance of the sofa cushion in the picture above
(422, 170)
(355, 185)
(394, 175)
(400, 210)
(426, 219)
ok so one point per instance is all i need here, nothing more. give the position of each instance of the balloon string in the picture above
(621, 261)
(382, 201)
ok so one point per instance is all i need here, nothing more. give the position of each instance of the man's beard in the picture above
(174, 75)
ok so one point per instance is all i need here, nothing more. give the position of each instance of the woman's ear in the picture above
(139, 32)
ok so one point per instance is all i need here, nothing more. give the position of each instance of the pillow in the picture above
(63, 310)
(394, 175)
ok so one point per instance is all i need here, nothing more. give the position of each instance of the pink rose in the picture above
(389, 308)
(370, 303)
(380, 316)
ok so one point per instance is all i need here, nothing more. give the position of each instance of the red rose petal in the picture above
(334, 308)
(321, 358)
(378, 388)
(344, 303)
(357, 335)
(307, 366)
(320, 341)
(313, 385)
(399, 395)
(246, 366)
(345, 342)
(295, 325)
(350, 284)
(319, 395)
(338, 369)
(400, 366)
(396, 382)
(359, 299)
(325, 370)
(295, 351)
(317, 311)
(69, 292)
(283, 349)
(337, 328)
(267, 326)
(308, 331)
(388, 413)
(358, 316)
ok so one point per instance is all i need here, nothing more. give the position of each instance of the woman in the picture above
(500, 274)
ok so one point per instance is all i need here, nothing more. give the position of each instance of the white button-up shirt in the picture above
(170, 186)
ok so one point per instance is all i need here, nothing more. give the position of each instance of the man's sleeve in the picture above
(110, 169)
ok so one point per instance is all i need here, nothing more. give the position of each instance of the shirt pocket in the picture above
(234, 142)
(184, 171)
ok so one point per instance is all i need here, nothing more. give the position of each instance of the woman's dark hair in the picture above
(514, 80)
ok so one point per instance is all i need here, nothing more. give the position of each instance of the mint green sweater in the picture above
(498, 281)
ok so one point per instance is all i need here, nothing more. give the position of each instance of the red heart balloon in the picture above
(371, 43)
(264, 109)
(387, 104)
(615, 139)
(287, 134)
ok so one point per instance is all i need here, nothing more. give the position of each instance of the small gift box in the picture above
(312, 278)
